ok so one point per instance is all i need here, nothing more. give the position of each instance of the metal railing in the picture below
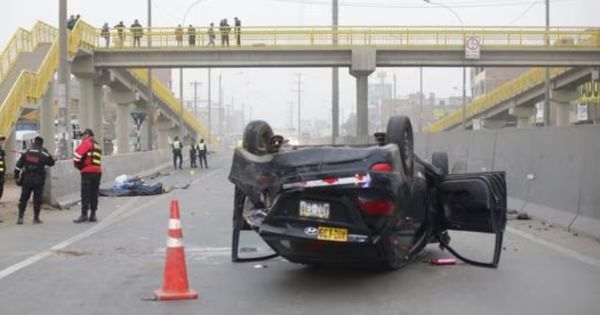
(164, 94)
(412, 37)
(24, 41)
(29, 87)
(529, 79)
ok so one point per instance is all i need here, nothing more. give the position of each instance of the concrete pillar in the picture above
(122, 127)
(86, 101)
(491, 123)
(363, 64)
(97, 112)
(47, 129)
(524, 115)
(11, 157)
(560, 105)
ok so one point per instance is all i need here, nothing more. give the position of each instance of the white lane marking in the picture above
(114, 217)
(174, 224)
(558, 248)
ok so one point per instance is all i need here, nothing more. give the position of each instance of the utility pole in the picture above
(335, 89)
(196, 84)
(209, 96)
(220, 102)
(150, 120)
(64, 84)
(547, 74)
(420, 99)
(299, 90)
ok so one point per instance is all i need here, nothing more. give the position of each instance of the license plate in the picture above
(314, 209)
(332, 234)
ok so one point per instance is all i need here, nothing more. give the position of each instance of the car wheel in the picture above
(257, 135)
(399, 132)
(395, 257)
(440, 160)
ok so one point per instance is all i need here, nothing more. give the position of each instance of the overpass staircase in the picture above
(29, 63)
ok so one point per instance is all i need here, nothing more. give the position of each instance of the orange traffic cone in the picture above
(175, 282)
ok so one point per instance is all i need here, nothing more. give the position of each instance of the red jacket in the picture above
(87, 157)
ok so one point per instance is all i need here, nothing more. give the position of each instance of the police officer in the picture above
(177, 146)
(193, 152)
(30, 174)
(87, 158)
(2, 167)
(202, 151)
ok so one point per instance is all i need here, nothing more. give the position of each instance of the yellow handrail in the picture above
(506, 91)
(261, 37)
(163, 93)
(24, 41)
(29, 87)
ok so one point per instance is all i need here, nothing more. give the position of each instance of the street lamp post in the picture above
(464, 74)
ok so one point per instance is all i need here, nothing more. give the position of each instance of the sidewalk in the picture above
(10, 201)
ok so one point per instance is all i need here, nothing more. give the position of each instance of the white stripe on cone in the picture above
(174, 224)
(174, 243)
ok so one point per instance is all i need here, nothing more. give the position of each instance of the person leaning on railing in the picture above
(105, 33)
(192, 35)
(179, 35)
(137, 32)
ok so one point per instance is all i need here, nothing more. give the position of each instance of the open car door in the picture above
(474, 203)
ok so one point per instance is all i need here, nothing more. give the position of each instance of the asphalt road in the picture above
(113, 267)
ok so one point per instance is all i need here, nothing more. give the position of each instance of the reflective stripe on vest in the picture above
(176, 145)
(202, 146)
(96, 154)
(1, 166)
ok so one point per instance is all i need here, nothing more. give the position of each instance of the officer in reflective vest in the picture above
(177, 147)
(87, 158)
(30, 174)
(202, 151)
(2, 167)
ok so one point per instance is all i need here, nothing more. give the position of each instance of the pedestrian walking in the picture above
(2, 166)
(87, 158)
(211, 35)
(30, 174)
(193, 153)
(137, 31)
(238, 31)
(179, 35)
(120, 30)
(202, 152)
(105, 33)
(192, 35)
(176, 146)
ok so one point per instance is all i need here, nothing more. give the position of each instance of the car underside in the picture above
(369, 205)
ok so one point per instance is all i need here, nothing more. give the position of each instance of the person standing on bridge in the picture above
(120, 29)
(177, 146)
(202, 152)
(105, 33)
(238, 31)
(87, 158)
(211, 35)
(179, 35)
(137, 32)
(30, 174)
(224, 28)
(2, 167)
(192, 35)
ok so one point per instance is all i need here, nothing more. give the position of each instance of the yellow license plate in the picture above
(332, 234)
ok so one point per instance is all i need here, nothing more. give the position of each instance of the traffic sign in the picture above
(472, 47)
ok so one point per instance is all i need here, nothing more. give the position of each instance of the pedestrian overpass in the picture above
(361, 49)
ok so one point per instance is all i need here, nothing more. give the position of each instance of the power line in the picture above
(533, 3)
(474, 4)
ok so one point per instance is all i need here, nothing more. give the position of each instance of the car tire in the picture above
(257, 135)
(399, 131)
(440, 160)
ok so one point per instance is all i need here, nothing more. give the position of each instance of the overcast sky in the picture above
(270, 91)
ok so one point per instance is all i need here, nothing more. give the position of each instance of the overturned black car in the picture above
(372, 205)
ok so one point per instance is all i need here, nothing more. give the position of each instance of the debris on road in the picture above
(259, 266)
(523, 216)
(443, 261)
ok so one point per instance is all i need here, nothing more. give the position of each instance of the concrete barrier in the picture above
(64, 180)
(552, 173)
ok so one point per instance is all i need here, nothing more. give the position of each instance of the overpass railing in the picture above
(409, 37)
(24, 41)
(504, 92)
